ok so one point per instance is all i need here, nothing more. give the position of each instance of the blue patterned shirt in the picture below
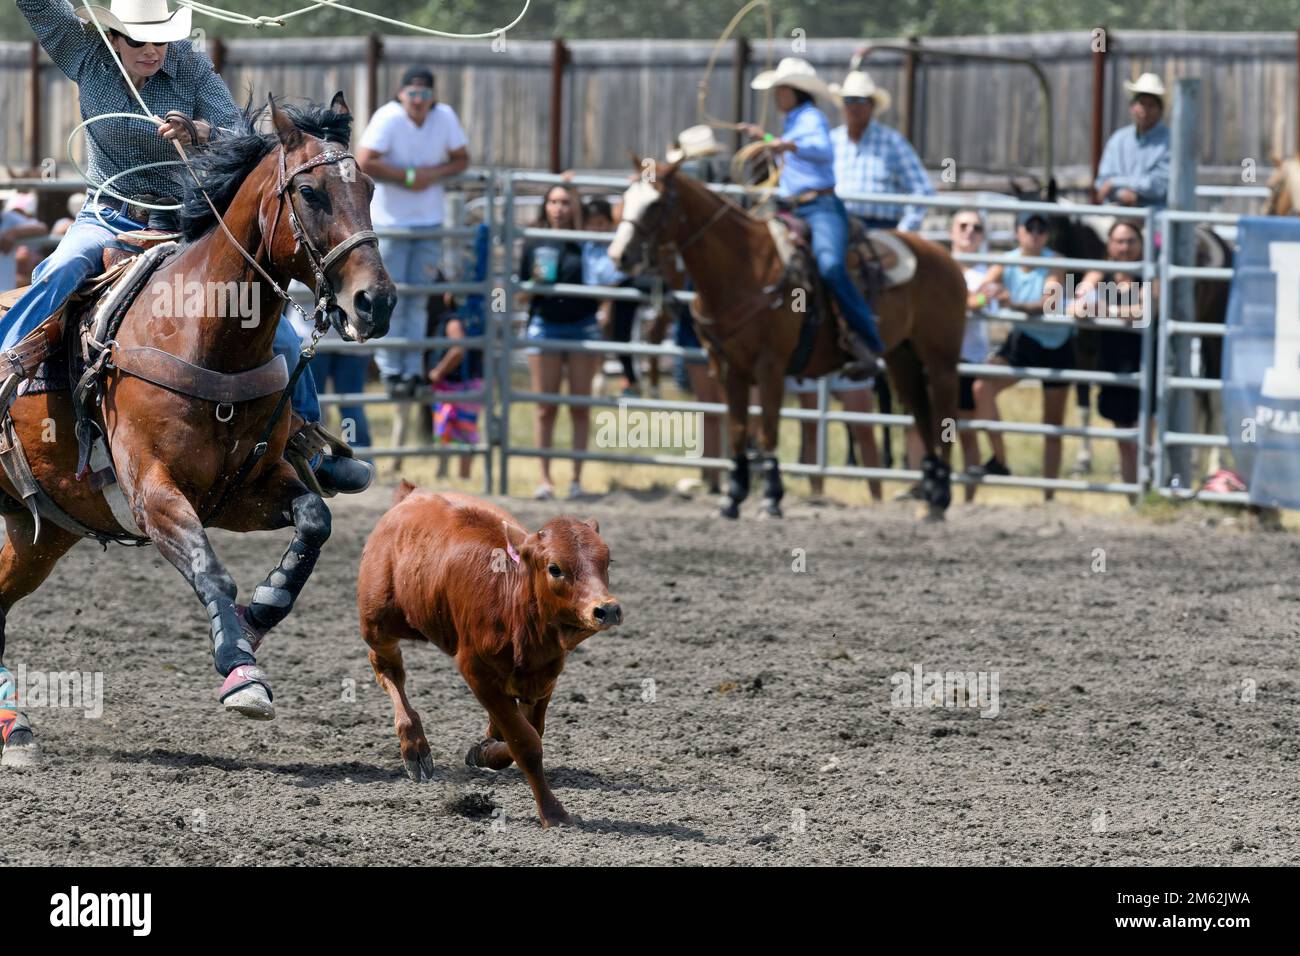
(811, 165)
(186, 81)
(881, 161)
(1137, 161)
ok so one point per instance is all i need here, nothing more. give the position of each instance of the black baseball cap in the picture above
(417, 75)
(1028, 216)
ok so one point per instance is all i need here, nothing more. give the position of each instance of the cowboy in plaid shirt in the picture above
(873, 158)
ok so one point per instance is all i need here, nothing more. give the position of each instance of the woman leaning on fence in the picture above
(566, 318)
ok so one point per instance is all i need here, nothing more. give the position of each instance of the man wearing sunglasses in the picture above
(411, 144)
(873, 158)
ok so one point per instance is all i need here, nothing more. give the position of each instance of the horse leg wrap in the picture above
(230, 647)
(774, 487)
(738, 480)
(936, 482)
(273, 599)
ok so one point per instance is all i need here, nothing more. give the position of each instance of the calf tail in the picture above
(403, 489)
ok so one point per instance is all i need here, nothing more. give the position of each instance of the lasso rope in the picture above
(184, 160)
(263, 21)
(750, 150)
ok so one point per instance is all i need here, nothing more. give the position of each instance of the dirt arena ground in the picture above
(744, 714)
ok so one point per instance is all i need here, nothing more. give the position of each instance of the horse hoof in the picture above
(247, 692)
(21, 750)
(419, 770)
(772, 508)
(934, 514)
(729, 509)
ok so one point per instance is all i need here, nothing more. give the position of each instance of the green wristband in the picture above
(410, 177)
(768, 137)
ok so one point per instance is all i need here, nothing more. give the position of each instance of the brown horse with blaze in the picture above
(176, 455)
(751, 317)
(509, 606)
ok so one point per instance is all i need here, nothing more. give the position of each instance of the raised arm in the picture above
(60, 34)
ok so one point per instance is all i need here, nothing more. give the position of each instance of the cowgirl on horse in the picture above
(177, 82)
(807, 184)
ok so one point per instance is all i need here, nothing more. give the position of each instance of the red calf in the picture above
(507, 605)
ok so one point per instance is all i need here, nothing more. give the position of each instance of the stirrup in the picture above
(306, 443)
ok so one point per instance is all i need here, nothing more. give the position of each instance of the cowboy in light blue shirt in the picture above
(1134, 168)
(808, 183)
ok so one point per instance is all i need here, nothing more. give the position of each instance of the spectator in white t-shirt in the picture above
(410, 145)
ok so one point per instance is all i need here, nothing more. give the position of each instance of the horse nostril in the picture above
(361, 304)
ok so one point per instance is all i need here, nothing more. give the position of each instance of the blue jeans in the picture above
(303, 400)
(829, 223)
(347, 373)
(414, 262)
(78, 256)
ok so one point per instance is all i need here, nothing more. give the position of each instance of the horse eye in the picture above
(307, 192)
(555, 571)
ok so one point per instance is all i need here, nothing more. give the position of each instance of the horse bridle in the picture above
(669, 205)
(320, 265)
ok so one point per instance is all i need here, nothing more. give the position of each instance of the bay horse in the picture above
(750, 322)
(285, 198)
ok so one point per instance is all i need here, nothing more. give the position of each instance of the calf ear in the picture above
(593, 524)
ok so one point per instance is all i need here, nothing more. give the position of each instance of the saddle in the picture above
(75, 347)
(876, 259)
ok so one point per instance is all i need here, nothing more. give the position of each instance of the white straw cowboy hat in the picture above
(793, 72)
(1147, 83)
(146, 21)
(859, 83)
(691, 142)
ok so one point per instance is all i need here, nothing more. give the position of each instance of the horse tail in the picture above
(403, 489)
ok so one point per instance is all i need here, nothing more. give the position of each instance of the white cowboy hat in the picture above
(691, 142)
(859, 83)
(792, 72)
(146, 21)
(1147, 83)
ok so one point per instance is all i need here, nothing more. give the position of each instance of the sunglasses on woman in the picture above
(418, 92)
(134, 44)
(970, 227)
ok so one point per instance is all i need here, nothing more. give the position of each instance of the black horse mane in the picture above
(230, 156)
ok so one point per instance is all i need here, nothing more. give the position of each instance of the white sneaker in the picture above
(545, 492)
(575, 491)
(689, 487)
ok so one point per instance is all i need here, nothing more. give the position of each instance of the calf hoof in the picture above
(728, 508)
(21, 750)
(420, 769)
(248, 692)
(556, 818)
(480, 757)
(772, 508)
(933, 514)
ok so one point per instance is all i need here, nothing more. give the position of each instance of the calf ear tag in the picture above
(510, 548)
